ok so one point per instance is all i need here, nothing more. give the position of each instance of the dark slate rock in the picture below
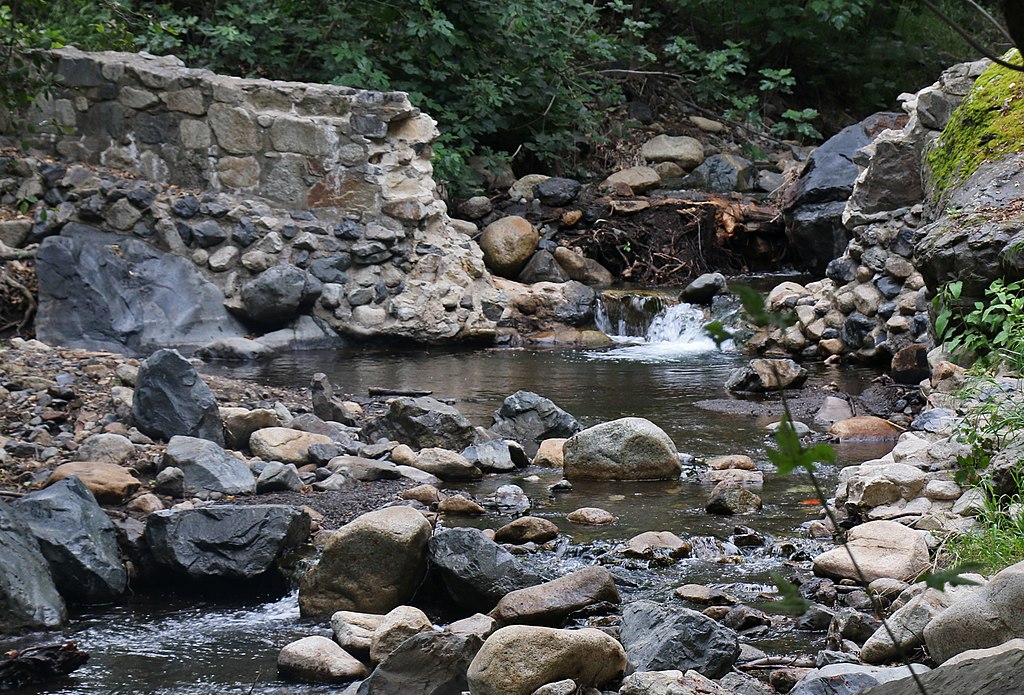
(493, 456)
(103, 291)
(830, 171)
(171, 399)
(244, 233)
(158, 129)
(542, 267)
(186, 207)
(578, 307)
(903, 244)
(890, 287)
(723, 173)
(231, 542)
(78, 540)
(934, 420)
(660, 638)
(208, 469)
(348, 230)
(274, 296)
(476, 571)
(429, 663)
(856, 329)
(28, 596)
(276, 477)
(529, 419)
(557, 191)
(208, 233)
(704, 288)
(332, 268)
(421, 423)
(141, 197)
(817, 234)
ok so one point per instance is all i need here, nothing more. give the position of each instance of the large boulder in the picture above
(995, 674)
(318, 660)
(657, 637)
(674, 682)
(171, 399)
(551, 602)
(508, 243)
(985, 617)
(108, 482)
(102, 291)
(518, 659)
(78, 540)
(429, 663)
(273, 297)
(854, 679)
(629, 448)
(530, 419)
(372, 564)
(225, 542)
(28, 596)
(446, 465)
(477, 571)
(724, 173)
(704, 288)
(285, 444)
(904, 629)
(208, 470)
(423, 422)
(881, 549)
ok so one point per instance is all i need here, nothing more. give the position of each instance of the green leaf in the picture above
(939, 580)
(792, 602)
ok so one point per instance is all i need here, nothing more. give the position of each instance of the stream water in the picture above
(659, 373)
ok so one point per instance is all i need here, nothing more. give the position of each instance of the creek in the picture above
(661, 366)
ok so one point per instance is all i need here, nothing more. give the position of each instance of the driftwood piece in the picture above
(381, 391)
(39, 664)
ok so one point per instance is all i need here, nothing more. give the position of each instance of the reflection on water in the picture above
(188, 648)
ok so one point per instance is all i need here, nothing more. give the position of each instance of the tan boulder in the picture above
(732, 462)
(549, 603)
(508, 244)
(397, 626)
(647, 544)
(638, 179)
(591, 516)
(284, 444)
(240, 423)
(683, 150)
(865, 428)
(459, 504)
(882, 549)
(108, 482)
(526, 529)
(318, 660)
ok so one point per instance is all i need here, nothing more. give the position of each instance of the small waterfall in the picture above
(625, 314)
(681, 323)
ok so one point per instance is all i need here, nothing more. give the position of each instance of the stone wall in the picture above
(314, 197)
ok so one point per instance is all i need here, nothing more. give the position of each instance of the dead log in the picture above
(381, 391)
(35, 665)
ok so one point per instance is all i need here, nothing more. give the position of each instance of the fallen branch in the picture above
(381, 391)
(9, 253)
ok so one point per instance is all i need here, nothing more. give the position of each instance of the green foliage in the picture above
(939, 580)
(992, 332)
(790, 453)
(997, 541)
(987, 125)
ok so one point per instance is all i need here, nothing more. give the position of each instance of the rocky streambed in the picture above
(462, 555)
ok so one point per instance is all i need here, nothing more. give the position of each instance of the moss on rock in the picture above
(987, 125)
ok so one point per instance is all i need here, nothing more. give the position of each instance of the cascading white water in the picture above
(650, 330)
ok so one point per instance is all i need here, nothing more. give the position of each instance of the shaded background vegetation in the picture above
(548, 82)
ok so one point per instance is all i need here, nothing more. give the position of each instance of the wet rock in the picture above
(730, 497)
(234, 349)
(421, 423)
(28, 596)
(549, 453)
(551, 602)
(508, 499)
(734, 476)
(207, 469)
(318, 660)
(528, 418)
(459, 505)
(882, 549)
(397, 626)
(78, 541)
(705, 288)
(372, 564)
(591, 516)
(108, 482)
(816, 617)
(526, 529)
(767, 375)
(354, 630)
(431, 663)
(557, 191)
(446, 465)
(865, 428)
(833, 410)
(518, 659)
(493, 456)
(852, 625)
(170, 399)
(698, 593)
(273, 297)
(743, 618)
(477, 571)
(723, 173)
(910, 365)
(285, 444)
(649, 544)
(982, 618)
(508, 243)
(224, 542)
(658, 637)
(624, 449)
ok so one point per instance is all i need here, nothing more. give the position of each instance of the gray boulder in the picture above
(428, 663)
(551, 603)
(853, 679)
(629, 448)
(234, 349)
(102, 291)
(529, 419)
(421, 423)
(993, 675)
(657, 637)
(542, 267)
(557, 191)
(28, 596)
(723, 173)
(171, 399)
(476, 571)
(224, 542)
(208, 469)
(277, 476)
(371, 565)
(78, 540)
(492, 456)
(274, 296)
(767, 375)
